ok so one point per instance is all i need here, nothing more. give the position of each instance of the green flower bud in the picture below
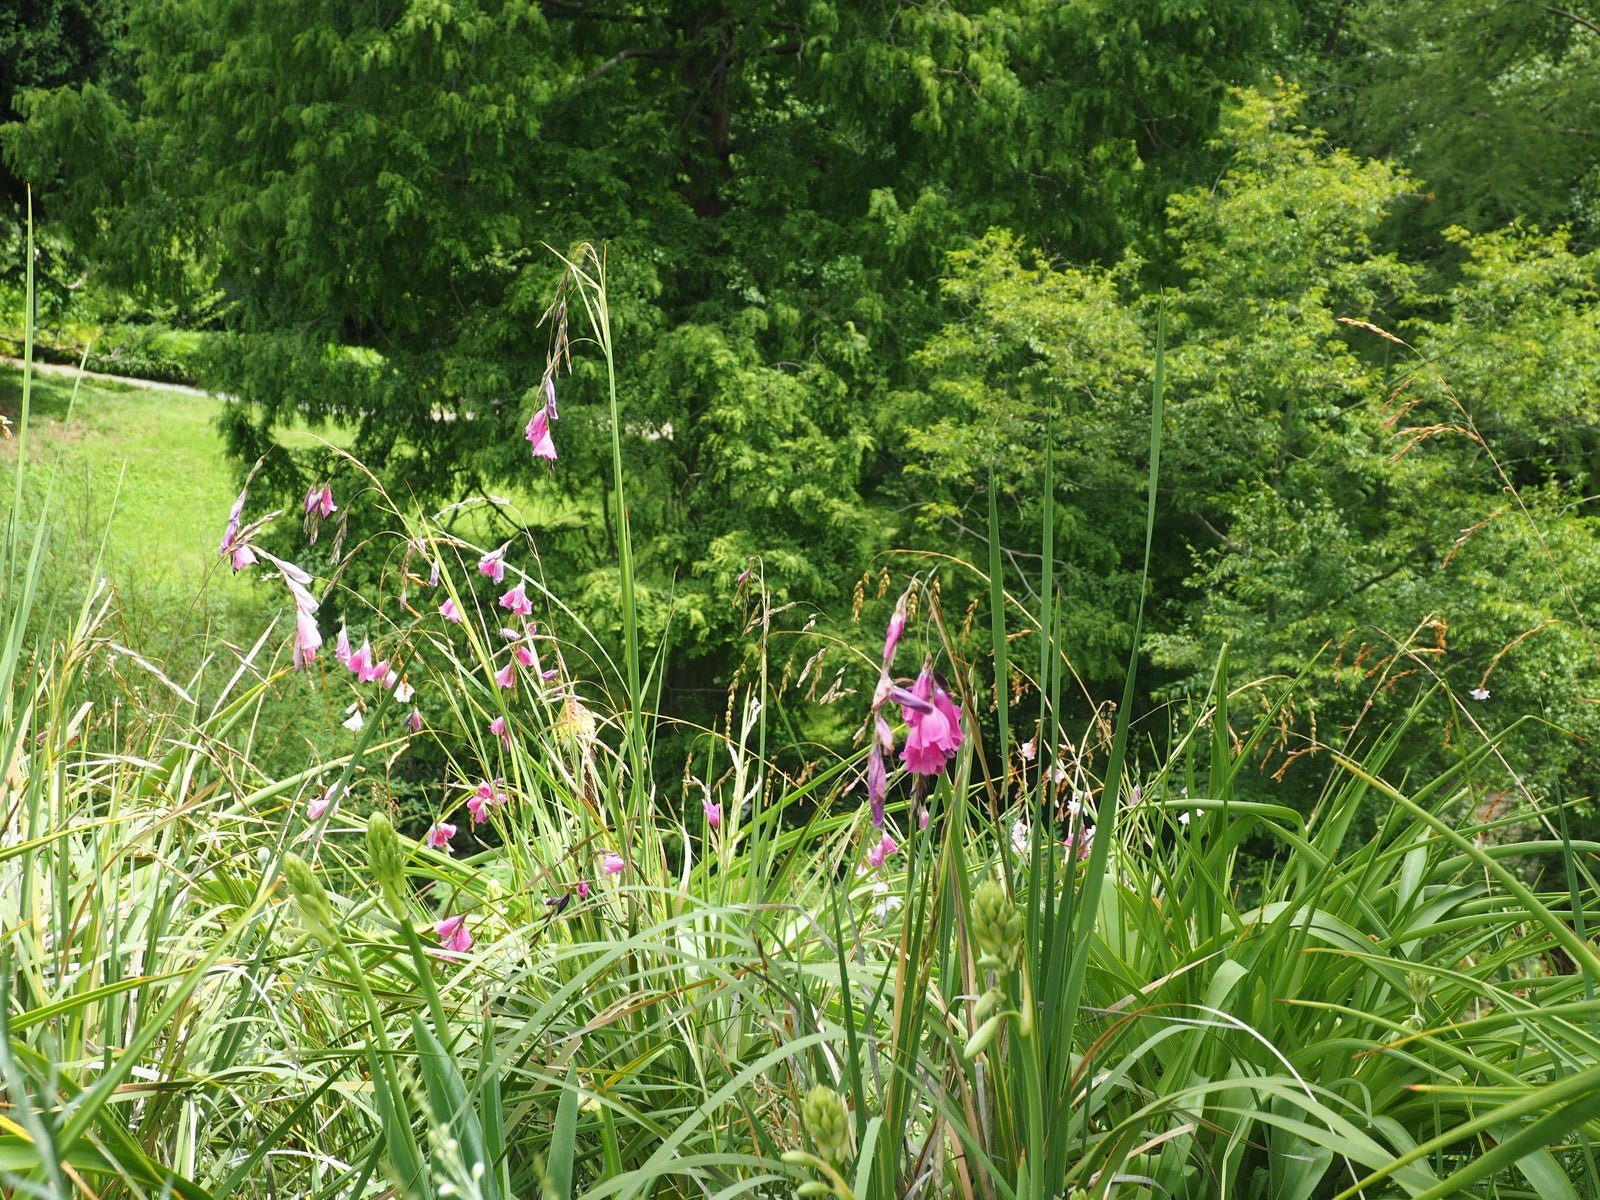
(996, 924)
(310, 897)
(814, 1188)
(985, 1033)
(824, 1118)
(387, 860)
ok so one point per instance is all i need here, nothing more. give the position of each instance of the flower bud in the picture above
(982, 1036)
(310, 897)
(387, 861)
(996, 924)
(814, 1188)
(824, 1118)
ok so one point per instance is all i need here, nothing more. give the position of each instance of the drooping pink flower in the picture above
(933, 728)
(449, 611)
(341, 647)
(493, 565)
(1081, 843)
(547, 676)
(307, 638)
(243, 556)
(315, 808)
(517, 601)
(713, 812)
(492, 793)
(506, 676)
(231, 533)
(439, 835)
(478, 806)
(885, 847)
(613, 863)
(374, 671)
(583, 889)
(550, 396)
(452, 932)
(524, 654)
(922, 817)
(499, 728)
(320, 501)
(539, 434)
(360, 660)
(415, 720)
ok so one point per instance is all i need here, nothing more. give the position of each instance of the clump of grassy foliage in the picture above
(218, 981)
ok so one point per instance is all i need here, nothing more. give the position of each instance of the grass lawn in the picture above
(142, 469)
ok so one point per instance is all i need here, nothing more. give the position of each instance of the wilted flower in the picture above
(517, 601)
(613, 863)
(877, 783)
(550, 396)
(415, 720)
(539, 434)
(452, 932)
(493, 565)
(439, 835)
(450, 611)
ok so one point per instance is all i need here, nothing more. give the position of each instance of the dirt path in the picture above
(44, 368)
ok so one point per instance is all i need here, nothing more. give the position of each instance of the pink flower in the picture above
(934, 735)
(316, 808)
(506, 676)
(613, 863)
(524, 654)
(1081, 842)
(374, 671)
(415, 720)
(583, 889)
(359, 661)
(307, 638)
(877, 783)
(881, 851)
(452, 931)
(231, 534)
(499, 728)
(478, 806)
(1027, 751)
(493, 565)
(539, 435)
(320, 501)
(449, 611)
(713, 813)
(922, 818)
(897, 626)
(517, 601)
(341, 647)
(491, 793)
(550, 396)
(439, 835)
(243, 557)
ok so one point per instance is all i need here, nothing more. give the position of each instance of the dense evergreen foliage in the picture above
(868, 260)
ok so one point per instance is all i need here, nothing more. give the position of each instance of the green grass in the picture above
(143, 468)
